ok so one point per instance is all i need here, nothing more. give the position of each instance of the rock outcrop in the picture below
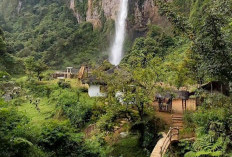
(103, 8)
(141, 13)
(75, 12)
(144, 14)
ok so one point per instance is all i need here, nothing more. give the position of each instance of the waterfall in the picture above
(117, 47)
(19, 6)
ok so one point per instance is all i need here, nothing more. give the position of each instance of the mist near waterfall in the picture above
(116, 53)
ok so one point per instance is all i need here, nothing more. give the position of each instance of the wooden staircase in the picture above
(163, 144)
(172, 135)
(177, 121)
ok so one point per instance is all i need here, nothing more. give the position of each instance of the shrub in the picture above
(83, 89)
(4, 76)
(63, 84)
(15, 139)
(39, 90)
(59, 138)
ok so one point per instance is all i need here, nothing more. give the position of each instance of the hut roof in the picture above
(175, 94)
(93, 80)
(217, 86)
(183, 95)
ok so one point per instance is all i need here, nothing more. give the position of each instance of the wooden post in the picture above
(185, 104)
(170, 135)
(87, 68)
(221, 89)
(161, 151)
(211, 87)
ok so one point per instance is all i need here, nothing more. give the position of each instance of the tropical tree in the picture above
(37, 67)
(2, 43)
(212, 42)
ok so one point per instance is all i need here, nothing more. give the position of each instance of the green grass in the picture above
(37, 118)
(128, 147)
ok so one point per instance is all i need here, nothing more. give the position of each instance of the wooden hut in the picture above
(69, 73)
(217, 86)
(178, 102)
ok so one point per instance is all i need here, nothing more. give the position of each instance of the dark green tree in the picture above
(2, 43)
(212, 42)
(35, 67)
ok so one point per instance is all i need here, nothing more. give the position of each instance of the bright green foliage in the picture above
(74, 105)
(210, 43)
(4, 76)
(163, 58)
(143, 50)
(53, 130)
(126, 147)
(49, 29)
(48, 118)
(15, 135)
(35, 67)
(59, 139)
(133, 104)
(213, 127)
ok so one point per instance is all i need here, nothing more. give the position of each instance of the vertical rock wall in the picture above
(75, 12)
(141, 13)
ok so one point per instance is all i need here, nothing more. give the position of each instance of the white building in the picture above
(95, 91)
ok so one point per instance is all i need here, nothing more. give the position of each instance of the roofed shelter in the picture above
(217, 86)
(175, 104)
(69, 73)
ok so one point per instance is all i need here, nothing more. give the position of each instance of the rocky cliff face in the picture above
(100, 9)
(145, 13)
(75, 12)
(141, 13)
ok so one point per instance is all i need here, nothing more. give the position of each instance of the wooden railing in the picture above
(81, 72)
(173, 132)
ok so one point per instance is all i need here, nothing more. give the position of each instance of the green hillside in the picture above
(172, 87)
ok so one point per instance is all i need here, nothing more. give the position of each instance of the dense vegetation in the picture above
(48, 30)
(45, 117)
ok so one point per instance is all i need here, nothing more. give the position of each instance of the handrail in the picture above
(168, 138)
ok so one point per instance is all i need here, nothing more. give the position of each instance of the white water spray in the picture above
(19, 6)
(117, 48)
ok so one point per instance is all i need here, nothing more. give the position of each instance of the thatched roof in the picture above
(217, 86)
(175, 94)
(93, 80)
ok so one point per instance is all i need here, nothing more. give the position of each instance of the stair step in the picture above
(177, 124)
(177, 118)
(181, 122)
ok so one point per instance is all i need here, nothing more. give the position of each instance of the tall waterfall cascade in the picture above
(116, 53)
(19, 6)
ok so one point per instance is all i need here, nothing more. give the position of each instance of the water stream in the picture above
(116, 53)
